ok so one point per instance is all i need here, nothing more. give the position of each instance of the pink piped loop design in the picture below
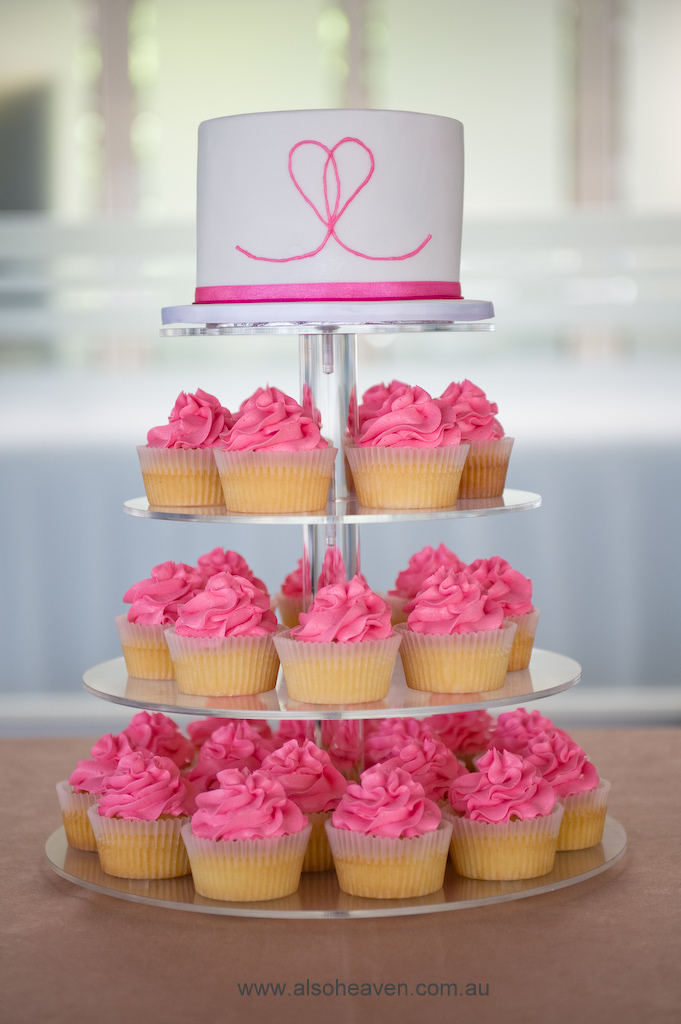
(331, 214)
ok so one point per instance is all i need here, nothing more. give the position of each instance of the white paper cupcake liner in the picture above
(140, 849)
(456, 663)
(231, 666)
(523, 641)
(180, 476)
(264, 482)
(398, 478)
(246, 870)
(74, 811)
(145, 650)
(380, 868)
(337, 673)
(507, 851)
(484, 475)
(584, 818)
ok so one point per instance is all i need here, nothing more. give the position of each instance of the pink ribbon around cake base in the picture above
(335, 291)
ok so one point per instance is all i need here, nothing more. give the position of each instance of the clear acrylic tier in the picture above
(549, 673)
(319, 895)
(341, 511)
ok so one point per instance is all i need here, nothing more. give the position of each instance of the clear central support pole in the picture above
(328, 380)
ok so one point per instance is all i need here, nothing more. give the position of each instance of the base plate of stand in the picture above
(548, 674)
(319, 895)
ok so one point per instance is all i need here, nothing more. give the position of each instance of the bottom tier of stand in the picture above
(319, 895)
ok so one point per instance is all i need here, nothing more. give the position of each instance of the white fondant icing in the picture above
(292, 220)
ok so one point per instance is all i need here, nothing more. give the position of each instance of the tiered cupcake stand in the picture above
(328, 354)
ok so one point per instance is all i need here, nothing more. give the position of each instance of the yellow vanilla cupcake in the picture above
(138, 818)
(274, 459)
(575, 781)
(344, 649)
(455, 639)
(407, 453)
(177, 462)
(513, 591)
(222, 642)
(484, 474)
(505, 820)
(247, 840)
(387, 839)
(315, 786)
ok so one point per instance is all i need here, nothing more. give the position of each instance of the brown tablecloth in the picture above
(605, 950)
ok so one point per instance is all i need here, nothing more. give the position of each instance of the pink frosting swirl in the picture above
(504, 584)
(473, 412)
(562, 763)
(382, 735)
(145, 786)
(464, 732)
(373, 400)
(515, 729)
(234, 745)
(160, 735)
(196, 421)
(229, 606)
(409, 418)
(246, 806)
(88, 776)
(271, 421)
(307, 775)
(429, 762)
(452, 602)
(203, 728)
(504, 788)
(388, 802)
(222, 560)
(422, 565)
(345, 613)
(157, 600)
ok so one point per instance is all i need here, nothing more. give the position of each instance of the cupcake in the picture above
(203, 728)
(408, 454)
(565, 766)
(274, 459)
(247, 840)
(454, 639)
(513, 591)
(294, 729)
(484, 474)
(342, 742)
(410, 580)
(387, 838)
(344, 649)
(315, 786)
(81, 790)
(160, 735)
(222, 560)
(138, 817)
(221, 643)
(505, 820)
(154, 605)
(177, 462)
(234, 745)
(465, 733)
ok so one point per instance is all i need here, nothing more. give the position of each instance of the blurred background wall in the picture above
(572, 228)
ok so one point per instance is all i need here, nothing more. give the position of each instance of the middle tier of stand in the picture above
(548, 674)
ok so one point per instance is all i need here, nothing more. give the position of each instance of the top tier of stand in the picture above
(327, 317)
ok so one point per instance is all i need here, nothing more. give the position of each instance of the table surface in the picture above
(605, 950)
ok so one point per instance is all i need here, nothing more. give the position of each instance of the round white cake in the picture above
(327, 205)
